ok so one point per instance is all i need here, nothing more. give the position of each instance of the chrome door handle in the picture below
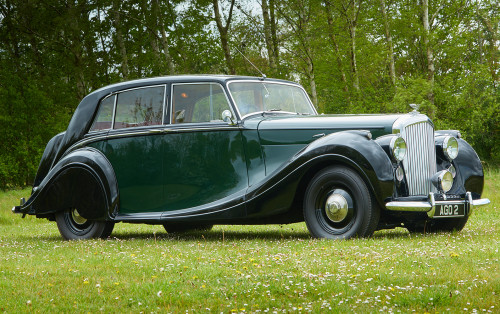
(318, 135)
(156, 131)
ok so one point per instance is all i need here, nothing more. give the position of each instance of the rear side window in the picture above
(139, 107)
(105, 115)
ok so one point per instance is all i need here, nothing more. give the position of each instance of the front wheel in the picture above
(338, 205)
(72, 226)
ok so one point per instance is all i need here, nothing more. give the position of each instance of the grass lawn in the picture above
(249, 268)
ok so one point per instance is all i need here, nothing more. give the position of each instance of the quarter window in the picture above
(139, 107)
(105, 115)
(194, 103)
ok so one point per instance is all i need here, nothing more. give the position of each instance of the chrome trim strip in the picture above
(114, 113)
(134, 88)
(208, 129)
(147, 132)
(164, 105)
(83, 143)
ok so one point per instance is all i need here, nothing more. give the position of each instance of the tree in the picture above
(223, 31)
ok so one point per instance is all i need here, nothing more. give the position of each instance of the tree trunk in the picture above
(223, 31)
(268, 36)
(354, 66)
(312, 83)
(430, 56)
(388, 38)
(352, 21)
(150, 20)
(335, 44)
(274, 36)
(164, 39)
(119, 38)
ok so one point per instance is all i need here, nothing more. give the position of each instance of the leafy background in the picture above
(351, 56)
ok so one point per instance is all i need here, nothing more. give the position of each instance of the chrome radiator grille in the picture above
(420, 160)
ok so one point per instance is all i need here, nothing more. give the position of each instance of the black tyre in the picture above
(338, 205)
(181, 227)
(72, 226)
(438, 225)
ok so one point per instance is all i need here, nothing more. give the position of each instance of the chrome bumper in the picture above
(17, 209)
(430, 205)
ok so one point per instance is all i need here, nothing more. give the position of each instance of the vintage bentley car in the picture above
(189, 152)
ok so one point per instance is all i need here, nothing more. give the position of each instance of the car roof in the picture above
(222, 79)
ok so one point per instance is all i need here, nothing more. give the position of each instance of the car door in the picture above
(134, 147)
(204, 162)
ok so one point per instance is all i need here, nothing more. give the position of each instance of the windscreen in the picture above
(251, 97)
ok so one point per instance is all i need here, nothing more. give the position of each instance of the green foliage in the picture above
(53, 53)
(414, 91)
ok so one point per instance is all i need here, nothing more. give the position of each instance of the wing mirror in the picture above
(227, 117)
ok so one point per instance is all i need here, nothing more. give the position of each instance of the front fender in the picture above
(83, 179)
(352, 148)
(470, 169)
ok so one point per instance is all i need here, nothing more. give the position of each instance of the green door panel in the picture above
(202, 167)
(137, 162)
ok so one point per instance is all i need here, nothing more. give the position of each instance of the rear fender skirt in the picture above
(83, 179)
(353, 148)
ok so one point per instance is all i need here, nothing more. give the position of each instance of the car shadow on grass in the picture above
(232, 235)
(215, 236)
(227, 235)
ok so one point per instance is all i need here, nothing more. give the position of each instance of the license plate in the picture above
(449, 210)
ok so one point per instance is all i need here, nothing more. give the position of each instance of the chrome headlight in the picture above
(398, 148)
(450, 147)
(443, 180)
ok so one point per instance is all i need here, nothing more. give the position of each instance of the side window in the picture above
(198, 103)
(105, 115)
(139, 107)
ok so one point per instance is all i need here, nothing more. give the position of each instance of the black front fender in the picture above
(351, 148)
(470, 169)
(83, 179)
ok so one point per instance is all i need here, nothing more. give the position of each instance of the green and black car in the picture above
(189, 152)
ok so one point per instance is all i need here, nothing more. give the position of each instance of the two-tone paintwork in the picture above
(254, 170)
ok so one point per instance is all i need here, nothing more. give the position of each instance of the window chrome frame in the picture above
(116, 93)
(196, 83)
(267, 82)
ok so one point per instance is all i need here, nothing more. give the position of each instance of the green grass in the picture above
(249, 268)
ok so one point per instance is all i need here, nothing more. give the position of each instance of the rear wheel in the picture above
(72, 226)
(338, 205)
(181, 227)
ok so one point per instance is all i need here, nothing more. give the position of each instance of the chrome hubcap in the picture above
(77, 218)
(336, 207)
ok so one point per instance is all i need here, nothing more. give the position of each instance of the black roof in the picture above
(180, 79)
